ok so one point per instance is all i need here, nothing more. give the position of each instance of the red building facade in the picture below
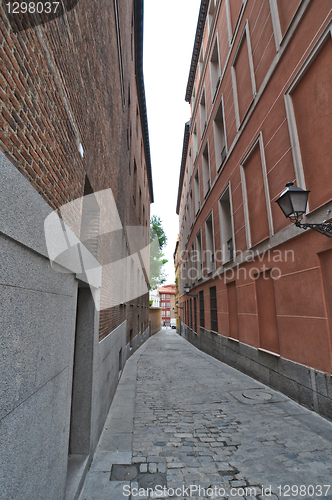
(260, 93)
(167, 303)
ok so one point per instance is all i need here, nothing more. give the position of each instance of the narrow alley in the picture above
(184, 425)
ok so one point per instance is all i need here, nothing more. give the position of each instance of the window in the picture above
(209, 244)
(196, 191)
(213, 309)
(206, 170)
(203, 113)
(137, 122)
(195, 315)
(188, 269)
(191, 205)
(214, 69)
(201, 309)
(195, 141)
(162, 296)
(190, 161)
(191, 314)
(201, 62)
(193, 98)
(168, 313)
(118, 36)
(256, 197)
(135, 180)
(226, 229)
(193, 273)
(199, 255)
(244, 86)
(311, 146)
(211, 12)
(233, 8)
(219, 137)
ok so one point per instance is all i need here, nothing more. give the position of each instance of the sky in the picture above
(169, 34)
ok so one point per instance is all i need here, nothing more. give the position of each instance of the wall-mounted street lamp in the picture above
(293, 202)
(187, 290)
(177, 305)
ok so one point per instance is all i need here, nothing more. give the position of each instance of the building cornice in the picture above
(138, 30)
(197, 47)
(183, 163)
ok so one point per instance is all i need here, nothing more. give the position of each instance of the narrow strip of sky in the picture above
(169, 34)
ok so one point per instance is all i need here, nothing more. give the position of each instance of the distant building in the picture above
(154, 295)
(167, 303)
(74, 290)
(176, 257)
(260, 289)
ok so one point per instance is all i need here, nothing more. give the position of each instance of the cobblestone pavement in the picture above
(198, 428)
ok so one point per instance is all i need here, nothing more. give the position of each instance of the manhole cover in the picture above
(124, 472)
(149, 480)
(257, 395)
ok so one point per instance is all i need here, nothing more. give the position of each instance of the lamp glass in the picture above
(293, 201)
(187, 288)
(299, 201)
(285, 204)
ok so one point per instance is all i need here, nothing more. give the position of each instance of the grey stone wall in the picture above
(37, 325)
(309, 387)
(47, 321)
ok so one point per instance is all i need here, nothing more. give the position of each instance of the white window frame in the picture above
(222, 243)
(214, 91)
(258, 141)
(232, 35)
(221, 103)
(245, 34)
(201, 117)
(208, 183)
(291, 120)
(197, 193)
(210, 215)
(278, 36)
(199, 251)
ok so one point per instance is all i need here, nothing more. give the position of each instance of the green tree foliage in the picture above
(158, 240)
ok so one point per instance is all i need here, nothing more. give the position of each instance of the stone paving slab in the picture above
(207, 431)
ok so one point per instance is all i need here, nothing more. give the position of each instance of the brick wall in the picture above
(63, 84)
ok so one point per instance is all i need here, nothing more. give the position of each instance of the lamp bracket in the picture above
(322, 227)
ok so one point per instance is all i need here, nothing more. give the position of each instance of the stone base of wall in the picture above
(309, 387)
(155, 319)
(136, 342)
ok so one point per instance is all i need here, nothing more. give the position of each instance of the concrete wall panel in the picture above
(309, 387)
